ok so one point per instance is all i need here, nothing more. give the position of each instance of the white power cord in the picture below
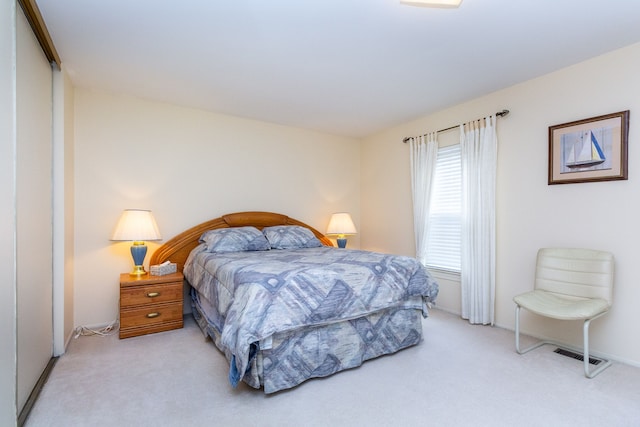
(110, 329)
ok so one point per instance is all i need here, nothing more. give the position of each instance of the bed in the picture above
(284, 305)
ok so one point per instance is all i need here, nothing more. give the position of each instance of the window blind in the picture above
(443, 247)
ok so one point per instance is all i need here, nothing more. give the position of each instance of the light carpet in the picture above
(460, 375)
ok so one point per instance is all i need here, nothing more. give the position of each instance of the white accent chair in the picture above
(570, 284)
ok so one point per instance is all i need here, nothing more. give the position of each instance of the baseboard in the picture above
(445, 310)
(92, 326)
(68, 340)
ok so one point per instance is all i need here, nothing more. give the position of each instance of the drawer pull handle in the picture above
(152, 315)
(153, 294)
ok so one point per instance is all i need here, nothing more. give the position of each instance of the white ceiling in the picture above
(346, 67)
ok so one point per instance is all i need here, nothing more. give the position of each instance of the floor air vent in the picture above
(574, 355)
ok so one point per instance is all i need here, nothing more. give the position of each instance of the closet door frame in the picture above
(33, 207)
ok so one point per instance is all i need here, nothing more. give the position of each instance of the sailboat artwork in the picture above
(584, 152)
(589, 150)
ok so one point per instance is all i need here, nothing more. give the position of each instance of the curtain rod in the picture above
(498, 114)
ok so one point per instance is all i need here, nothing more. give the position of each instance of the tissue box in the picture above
(161, 270)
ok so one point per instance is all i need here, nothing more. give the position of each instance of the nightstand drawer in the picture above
(150, 304)
(151, 294)
(151, 315)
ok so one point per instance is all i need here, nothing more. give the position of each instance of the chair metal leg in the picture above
(585, 334)
(532, 347)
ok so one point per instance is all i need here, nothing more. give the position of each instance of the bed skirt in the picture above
(287, 359)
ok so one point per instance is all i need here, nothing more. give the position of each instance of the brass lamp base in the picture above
(138, 270)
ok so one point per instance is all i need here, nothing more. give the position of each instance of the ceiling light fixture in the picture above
(450, 4)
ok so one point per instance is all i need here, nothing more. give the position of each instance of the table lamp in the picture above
(341, 225)
(137, 226)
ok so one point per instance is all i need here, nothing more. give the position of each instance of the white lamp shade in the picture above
(136, 225)
(433, 3)
(341, 224)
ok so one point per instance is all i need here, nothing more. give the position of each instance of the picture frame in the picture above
(589, 150)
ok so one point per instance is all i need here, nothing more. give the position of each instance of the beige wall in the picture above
(530, 213)
(189, 166)
(133, 153)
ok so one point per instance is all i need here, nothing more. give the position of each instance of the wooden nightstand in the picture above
(150, 304)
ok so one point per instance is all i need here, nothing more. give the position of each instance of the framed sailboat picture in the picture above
(589, 150)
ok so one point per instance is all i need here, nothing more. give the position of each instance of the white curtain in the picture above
(424, 153)
(479, 148)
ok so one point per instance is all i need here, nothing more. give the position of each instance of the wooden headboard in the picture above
(178, 248)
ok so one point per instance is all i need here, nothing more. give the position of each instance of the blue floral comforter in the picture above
(259, 293)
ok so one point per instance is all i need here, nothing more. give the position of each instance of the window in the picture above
(445, 217)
